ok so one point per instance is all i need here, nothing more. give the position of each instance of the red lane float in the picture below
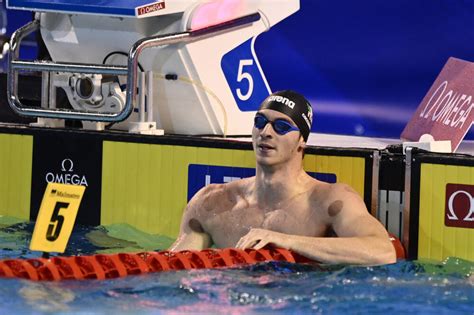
(399, 249)
(120, 265)
(109, 266)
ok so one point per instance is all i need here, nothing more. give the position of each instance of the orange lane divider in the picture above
(109, 266)
(120, 265)
(399, 248)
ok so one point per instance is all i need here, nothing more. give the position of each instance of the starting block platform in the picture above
(184, 72)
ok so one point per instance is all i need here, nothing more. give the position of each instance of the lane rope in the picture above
(102, 266)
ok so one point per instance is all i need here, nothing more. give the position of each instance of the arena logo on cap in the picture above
(283, 100)
(459, 210)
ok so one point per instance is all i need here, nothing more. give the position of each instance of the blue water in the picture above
(413, 287)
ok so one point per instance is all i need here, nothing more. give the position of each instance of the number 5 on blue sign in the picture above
(245, 76)
(241, 75)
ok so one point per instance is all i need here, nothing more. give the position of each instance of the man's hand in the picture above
(259, 238)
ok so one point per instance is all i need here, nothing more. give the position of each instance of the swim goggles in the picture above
(280, 126)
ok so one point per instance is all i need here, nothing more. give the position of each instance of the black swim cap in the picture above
(295, 106)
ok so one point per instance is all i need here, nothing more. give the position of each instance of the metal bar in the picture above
(12, 84)
(149, 96)
(132, 65)
(68, 67)
(406, 206)
(130, 70)
(52, 92)
(141, 97)
(241, 21)
(18, 36)
(375, 184)
(45, 89)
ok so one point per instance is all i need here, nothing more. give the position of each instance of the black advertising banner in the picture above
(68, 158)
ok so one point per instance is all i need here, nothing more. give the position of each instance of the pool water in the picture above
(413, 287)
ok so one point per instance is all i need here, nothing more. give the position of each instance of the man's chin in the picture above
(266, 160)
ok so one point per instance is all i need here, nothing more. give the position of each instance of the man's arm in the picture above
(192, 236)
(361, 238)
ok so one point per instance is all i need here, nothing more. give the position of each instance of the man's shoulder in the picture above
(336, 198)
(328, 192)
(341, 188)
(216, 192)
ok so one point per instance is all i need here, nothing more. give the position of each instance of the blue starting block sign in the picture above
(245, 76)
(125, 8)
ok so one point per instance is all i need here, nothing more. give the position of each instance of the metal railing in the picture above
(15, 65)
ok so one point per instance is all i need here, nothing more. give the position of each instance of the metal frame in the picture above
(130, 70)
(374, 206)
(407, 205)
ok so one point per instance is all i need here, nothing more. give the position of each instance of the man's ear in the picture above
(301, 144)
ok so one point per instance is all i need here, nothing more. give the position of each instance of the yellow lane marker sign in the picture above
(56, 217)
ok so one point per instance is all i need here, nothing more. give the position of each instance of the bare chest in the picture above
(297, 218)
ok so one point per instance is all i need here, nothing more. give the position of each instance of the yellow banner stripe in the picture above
(15, 175)
(435, 240)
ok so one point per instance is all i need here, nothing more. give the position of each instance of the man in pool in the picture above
(282, 205)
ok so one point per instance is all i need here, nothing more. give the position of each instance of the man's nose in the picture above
(267, 131)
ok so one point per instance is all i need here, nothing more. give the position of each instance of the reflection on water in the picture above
(44, 296)
(405, 287)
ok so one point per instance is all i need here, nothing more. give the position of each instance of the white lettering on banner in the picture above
(452, 213)
(228, 179)
(283, 100)
(67, 165)
(450, 108)
(73, 179)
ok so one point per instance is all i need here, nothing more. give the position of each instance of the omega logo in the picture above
(452, 214)
(451, 108)
(459, 205)
(67, 162)
(67, 175)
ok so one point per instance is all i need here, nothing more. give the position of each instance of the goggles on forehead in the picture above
(280, 126)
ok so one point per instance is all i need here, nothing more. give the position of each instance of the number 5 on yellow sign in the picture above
(56, 217)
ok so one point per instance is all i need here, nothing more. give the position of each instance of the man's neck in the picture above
(277, 184)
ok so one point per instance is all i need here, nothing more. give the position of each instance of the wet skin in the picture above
(283, 206)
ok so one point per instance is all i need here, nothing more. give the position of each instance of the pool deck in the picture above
(343, 141)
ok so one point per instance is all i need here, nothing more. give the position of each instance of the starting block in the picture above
(182, 67)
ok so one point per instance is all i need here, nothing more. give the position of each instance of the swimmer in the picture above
(282, 205)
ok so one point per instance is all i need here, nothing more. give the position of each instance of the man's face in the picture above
(272, 148)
